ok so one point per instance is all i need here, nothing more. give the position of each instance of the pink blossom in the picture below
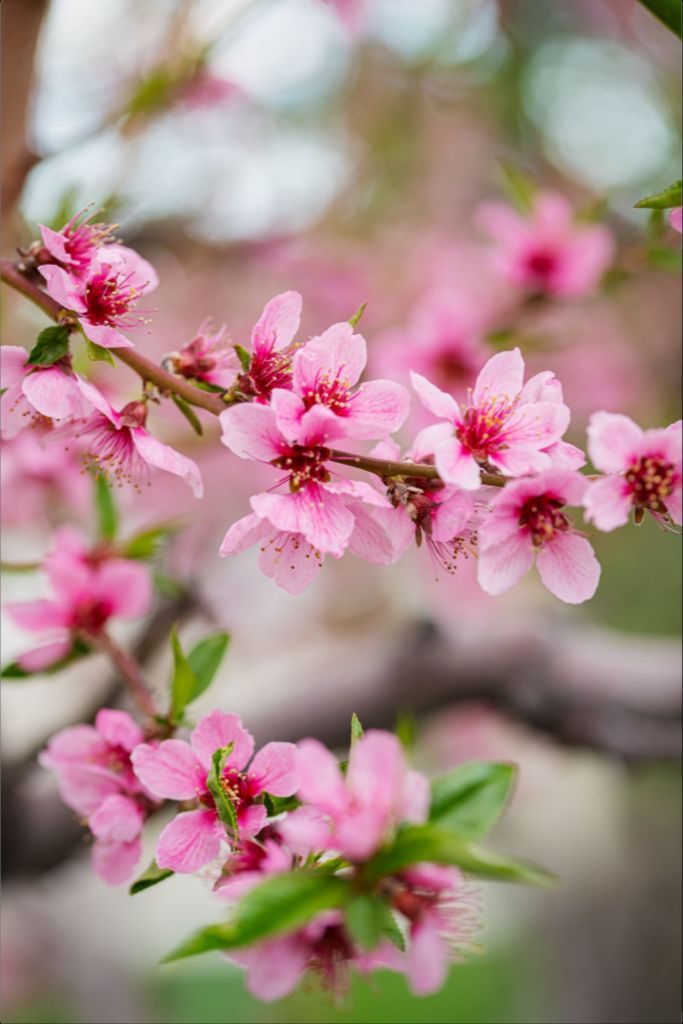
(104, 299)
(643, 470)
(91, 586)
(442, 917)
(76, 245)
(443, 342)
(676, 219)
(316, 507)
(40, 482)
(176, 770)
(270, 365)
(95, 778)
(528, 517)
(118, 444)
(206, 357)
(354, 814)
(429, 511)
(324, 373)
(35, 393)
(506, 423)
(548, 251)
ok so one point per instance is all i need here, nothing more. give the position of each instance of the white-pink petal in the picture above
(439, 403)
(189, 841)
(155, 453)
(612, 439)
(501, 566)
(568, 568)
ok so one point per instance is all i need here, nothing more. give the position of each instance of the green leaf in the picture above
(146, 543)
(152, 876)
(98, 353)
(356, 729)
(279, 804)
(184, 681)
(519, 186)
(355, 319)
(224, 806)
(369, 918)
(471, 798)
(406, 729)
(243, 356)
(667, 11)
(281, 903)
(189, 414)
(664, 258)
(205, 659)
(429, 842)
(107, 518)
(51, 344)
(14, 670)
(666, 199)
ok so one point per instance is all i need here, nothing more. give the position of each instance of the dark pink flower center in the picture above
(111, 450)
(194, 360)
(482, 428)
(305, 465)
(651, 481)
(237, 786)
(543, 517)
(332, 392)
(330, 956)
(109, 299)
(90, 615)
(542, 265)
(268, 370)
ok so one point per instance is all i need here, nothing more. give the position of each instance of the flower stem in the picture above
(128, 669)
(386, 468)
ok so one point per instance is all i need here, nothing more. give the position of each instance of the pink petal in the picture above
(415, 797)
(53, 393)
(118, 728)
(337, 354)
(170, 771)
(289, 410)
(374, 534)
(379, 407)
(377, 772)
(278, 323)
(568, 568)
(43, 657)
(440, 404)
(676, 219)
(275, 968)
(36, 616)
(427, 440)
(244, 533)
(320, 425)
(304, 831)
(321, 783)
(217, 730)
(612, 438)
(451, 516)
(608, 503)
(542, 387)
(251, 819)
(538, 424)
(77, 743)
(190, 841)
(289, 560)
(163, 457)
(501, 377)
(85, 787)
(106, 337)
(456, 465)
(321, 516)
(117, 819)
(54, 242)
(251, 431)
(428, 957)
(13, 368)
(275, 769)
(126, 586)
(565, 455)
(62, 287)
(95, 398)
(115, 862)
(502, 566)
(501, 222)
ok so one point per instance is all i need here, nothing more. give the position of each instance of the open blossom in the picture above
(75, 246)
(91, 586)
(324, 374)
(34, 393)
(206, 357)
(428, 511)
(104, 299)
(292, 562)
(643, 470)
(355, 814)
(118, 445)
(442, 341)
(270, 365)
(176, 770)
(316, 506)
(528, 518)
(547, 252)
(506, 423)
(95, 777)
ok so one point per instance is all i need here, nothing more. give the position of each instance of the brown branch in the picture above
(128, 669)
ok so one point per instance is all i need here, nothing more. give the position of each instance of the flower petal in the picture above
(118, 728)
(501, 377)
(163, 457)
(278, 323)
(612, 438)
(170, 771)
(189, 842)
(117, 819)
(217, 730)
(251, 431)
(456, 465)
(439, 403)
(568, 568)
(608, 503)
(502, 566)
(275, 769)
(321, 783)
(115, 862)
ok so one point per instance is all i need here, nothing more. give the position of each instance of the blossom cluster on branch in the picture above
(320, 866)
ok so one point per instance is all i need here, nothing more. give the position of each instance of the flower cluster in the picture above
(293, 816)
